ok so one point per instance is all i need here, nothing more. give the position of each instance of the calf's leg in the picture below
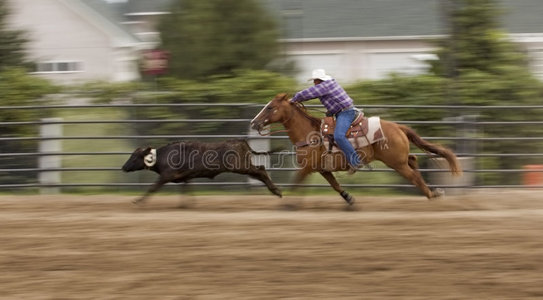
(259, 172)
(185, 195)
(153, 188)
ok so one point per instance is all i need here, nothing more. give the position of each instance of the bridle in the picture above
(279, 130)
(301, 143)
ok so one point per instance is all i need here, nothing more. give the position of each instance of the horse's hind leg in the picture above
(300, 176)
(414, 165)
(335, 185)
(414, 176)
(412, 162)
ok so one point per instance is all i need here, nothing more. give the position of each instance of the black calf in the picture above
(182, 161)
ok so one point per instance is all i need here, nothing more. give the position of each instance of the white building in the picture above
(79, 40)
(368, 39)
(72, 41)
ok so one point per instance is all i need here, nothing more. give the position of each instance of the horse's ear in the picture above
(282, 96)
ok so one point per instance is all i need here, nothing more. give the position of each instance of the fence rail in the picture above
(461, 134)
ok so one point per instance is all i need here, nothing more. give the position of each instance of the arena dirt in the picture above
(486, 245)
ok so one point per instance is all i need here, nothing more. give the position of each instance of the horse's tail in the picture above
(433, 148)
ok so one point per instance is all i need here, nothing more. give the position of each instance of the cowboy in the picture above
(338, 104)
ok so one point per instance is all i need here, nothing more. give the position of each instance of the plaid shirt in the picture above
(330, 93)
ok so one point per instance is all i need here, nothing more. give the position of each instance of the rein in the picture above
(277, 131)
(305, 115)
(271, 132)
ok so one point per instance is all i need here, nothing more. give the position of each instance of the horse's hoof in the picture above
(347, 197)
(438, 192)
(184, 206)
(137, 201)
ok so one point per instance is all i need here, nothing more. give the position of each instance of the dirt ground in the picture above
(487, 245)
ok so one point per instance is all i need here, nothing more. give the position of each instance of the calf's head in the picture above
(137, 160)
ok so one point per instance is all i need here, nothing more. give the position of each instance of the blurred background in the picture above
(85, 82)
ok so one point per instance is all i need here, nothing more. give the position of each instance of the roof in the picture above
(147, 7)
(349, 19)
(523, 16)
(105, 16)
(356, 18)
(112, 11)
(318, 19)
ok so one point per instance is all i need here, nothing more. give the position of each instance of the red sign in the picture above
(155, 62)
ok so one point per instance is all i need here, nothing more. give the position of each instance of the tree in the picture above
(475, 40)
(17, 88)
(478, 65)
(486, 68)
(217, 37)
(478, 51)
(12, 42)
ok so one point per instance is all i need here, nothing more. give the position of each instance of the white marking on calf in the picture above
(150, 159)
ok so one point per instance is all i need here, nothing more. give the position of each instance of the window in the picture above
(59, 67)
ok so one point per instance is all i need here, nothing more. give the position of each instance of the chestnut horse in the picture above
(304, 132)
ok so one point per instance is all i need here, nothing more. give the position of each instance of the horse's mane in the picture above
(315, 122)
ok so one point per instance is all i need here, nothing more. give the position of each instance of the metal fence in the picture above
(46, 166)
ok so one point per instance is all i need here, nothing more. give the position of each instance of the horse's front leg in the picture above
(300, 176)
(335, 185)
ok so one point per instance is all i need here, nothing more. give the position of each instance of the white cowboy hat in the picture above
(320, 74)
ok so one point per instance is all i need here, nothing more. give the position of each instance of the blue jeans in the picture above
(343, 122)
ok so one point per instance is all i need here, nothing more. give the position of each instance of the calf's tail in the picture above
(262, 152)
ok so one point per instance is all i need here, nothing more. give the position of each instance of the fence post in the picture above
(259, 145)
(468, 131)
(48, 132)
(451, 184)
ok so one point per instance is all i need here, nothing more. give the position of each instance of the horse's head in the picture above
(276, 111)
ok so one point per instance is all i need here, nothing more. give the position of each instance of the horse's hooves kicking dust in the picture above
(437, 193)
(289, 207)
(351, 207)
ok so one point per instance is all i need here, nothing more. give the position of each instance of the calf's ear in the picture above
(146, 151)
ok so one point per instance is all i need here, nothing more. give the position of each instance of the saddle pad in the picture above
(359, 125)
(374, 134)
